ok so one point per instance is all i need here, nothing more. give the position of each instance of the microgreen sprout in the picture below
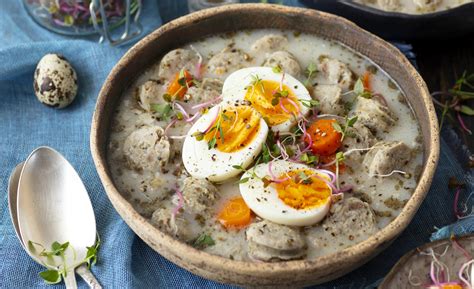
(342, 128)
(309, 103)
(455, 100)
(256, 81)
(163, 110)
(310, 71)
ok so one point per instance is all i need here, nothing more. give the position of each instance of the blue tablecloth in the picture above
(124, 260)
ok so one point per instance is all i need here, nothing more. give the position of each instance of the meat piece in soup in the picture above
(285, 61)
(219, 152)
(270, 43)
(228, 60)
(374, 114)
(335, 72)
(330, 98)
(147, 148)
(209, 89)
(176, 60)
(199, 195)
(268, 241)
(149, 93)
(386, 157)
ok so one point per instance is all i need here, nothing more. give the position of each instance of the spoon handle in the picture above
(70, 280)
(86, 274)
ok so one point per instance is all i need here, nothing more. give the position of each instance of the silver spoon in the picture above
(82, 270)
(53, 205)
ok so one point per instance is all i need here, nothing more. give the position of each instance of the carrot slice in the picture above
(326, 140)
(179, 86)
(235, 214)
(366, 81)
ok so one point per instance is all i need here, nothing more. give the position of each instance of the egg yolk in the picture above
(301, 189)
(276, 104)
(235, 129)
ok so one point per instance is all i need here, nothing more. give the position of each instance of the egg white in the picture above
(265, 201)
(235, 84)
(212, 164)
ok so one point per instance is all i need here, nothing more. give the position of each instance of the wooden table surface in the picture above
(441, 63)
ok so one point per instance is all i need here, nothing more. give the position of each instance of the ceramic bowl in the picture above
(255, 16)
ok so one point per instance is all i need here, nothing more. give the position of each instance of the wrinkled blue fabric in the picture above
(124, 260)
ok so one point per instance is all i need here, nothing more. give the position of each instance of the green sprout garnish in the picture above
(310, 71)
(203, 241)
(342, 128)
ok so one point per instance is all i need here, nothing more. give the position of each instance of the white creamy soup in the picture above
(266, 145)
(414, 6)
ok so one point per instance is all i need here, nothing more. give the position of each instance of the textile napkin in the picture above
(125, 261)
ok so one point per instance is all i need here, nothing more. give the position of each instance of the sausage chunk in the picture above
(269, 242)
(357, 137)
(285, 60)
(389, 5)
(330, 99)
(335, 72)
(269, 43)
(148, 93)
(175, 60)
(385, 157)
(349, 222)
(177, 226)
(147, 148)
(209, 89)
(228, 60)
(199, 195)
(374, 114)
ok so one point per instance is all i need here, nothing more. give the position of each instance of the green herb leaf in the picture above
(309, 103)
(265, 154)
(276, 69)
(466, 110)
(238, 167)
(163, 110)
(91, 256)
(221, 133)
(212, 143)
(51, 276)
(203, 241)
(310, 70)
(339, 157)
(243, 180)
(198, 135)
(284, 93)
(337, 127)
(359, 87)
(351, 121)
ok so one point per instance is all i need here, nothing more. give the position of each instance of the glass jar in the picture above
(195, 5)
(73, 17)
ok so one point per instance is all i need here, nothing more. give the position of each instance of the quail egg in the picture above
(55, 81)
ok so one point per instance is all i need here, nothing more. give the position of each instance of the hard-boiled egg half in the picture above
(228, 135)
(287, 193)
(277, 96)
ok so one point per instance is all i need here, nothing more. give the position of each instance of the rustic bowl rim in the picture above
(383, 236)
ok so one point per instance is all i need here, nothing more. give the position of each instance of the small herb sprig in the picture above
(54, 276)
(310, 71)
(203, 241)
(339, 160)
(342, 128)
(309, 103)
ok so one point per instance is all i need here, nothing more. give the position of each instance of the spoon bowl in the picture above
(53, 206)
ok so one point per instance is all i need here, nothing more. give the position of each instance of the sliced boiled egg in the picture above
(226, 137)
(287, 193)
(277, 96)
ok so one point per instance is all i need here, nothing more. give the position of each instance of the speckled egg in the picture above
(55, 81)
